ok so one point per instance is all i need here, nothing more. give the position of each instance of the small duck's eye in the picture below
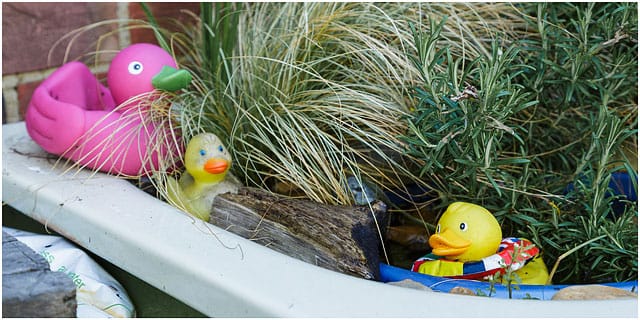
(463, 226)
(438, 228)
(202, 152)
(220, 148)
(135, 67)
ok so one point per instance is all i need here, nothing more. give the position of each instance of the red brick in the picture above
(25, 91)
(164, 13)
(29, 31)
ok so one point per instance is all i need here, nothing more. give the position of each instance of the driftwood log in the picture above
(339, 238)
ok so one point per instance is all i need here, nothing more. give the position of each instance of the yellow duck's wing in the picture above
(201, 199)
(186, 181)
(175, 195)
(179, 197)
(195, 197)
(534, 272)
(229, 184)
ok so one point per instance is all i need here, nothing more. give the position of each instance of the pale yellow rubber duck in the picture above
(207, 163)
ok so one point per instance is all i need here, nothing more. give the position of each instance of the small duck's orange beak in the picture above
(447, 243)
(216, 166)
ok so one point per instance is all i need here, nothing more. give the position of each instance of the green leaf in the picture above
(155, 27)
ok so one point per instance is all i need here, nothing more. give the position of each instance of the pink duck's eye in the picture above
(135, 68)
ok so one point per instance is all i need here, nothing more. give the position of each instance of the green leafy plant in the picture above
(462, 130)
(586, 80)
(511, 129)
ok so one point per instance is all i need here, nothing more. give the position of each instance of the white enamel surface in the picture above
(219, 273)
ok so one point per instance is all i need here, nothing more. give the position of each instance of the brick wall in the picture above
(36, 39)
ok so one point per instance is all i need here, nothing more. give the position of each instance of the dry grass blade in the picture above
(568, 253)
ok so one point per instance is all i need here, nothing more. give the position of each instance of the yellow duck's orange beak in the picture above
(216, 166)
(447, 243)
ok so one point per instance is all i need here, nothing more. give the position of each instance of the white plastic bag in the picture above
(98, 294)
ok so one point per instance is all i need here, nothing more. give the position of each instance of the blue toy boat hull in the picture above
(391, 274)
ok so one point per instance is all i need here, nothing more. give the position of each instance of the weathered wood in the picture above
(29, 288)
(339, 238)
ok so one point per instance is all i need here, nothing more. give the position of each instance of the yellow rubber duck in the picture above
(207, 163)
(466, 232)
(468, 244)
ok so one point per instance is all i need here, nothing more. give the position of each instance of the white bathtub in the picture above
(219, 273)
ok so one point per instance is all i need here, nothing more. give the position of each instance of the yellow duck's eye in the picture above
(202, 152)
(438, 228)
(463, 226)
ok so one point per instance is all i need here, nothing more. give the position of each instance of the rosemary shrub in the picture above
(551, 110)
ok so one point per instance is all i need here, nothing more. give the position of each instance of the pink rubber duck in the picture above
(73, 115)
